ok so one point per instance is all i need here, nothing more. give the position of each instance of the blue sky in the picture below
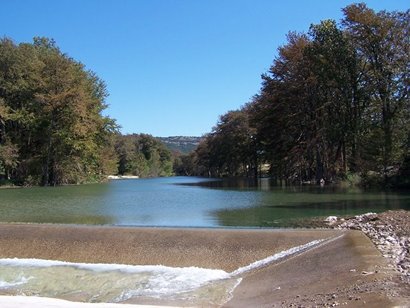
(172, 66)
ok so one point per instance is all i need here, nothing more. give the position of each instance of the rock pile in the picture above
(389, 231)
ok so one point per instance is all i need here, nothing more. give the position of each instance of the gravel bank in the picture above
(390, 233)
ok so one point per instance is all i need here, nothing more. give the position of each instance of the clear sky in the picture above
(172, 67)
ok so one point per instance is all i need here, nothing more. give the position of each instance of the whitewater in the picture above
(117, 283)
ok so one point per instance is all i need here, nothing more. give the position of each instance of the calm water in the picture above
(188, 202)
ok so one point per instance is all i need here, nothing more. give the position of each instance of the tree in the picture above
(335, 101)
(185, 164)
(230, 149)
(143, 155)
(51, 115)
(334, 67)
(382, 42)
(284, 112)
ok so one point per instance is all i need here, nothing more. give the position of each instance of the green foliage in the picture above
(51, 128)
(185, 164)
(382, 42)
(351, 180)
(143, 155)
(230, 148)
(333, 105)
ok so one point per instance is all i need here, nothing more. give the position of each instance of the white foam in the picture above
(139, 280)
(17, 282)
(205, 274)
(275, 257)
(145, 280)
(169, 281)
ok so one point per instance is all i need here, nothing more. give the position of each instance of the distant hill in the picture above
(182, 144)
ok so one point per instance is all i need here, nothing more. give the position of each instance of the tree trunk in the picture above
(46, 165)
(387, 130)
(319, 166)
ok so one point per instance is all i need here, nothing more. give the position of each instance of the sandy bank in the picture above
(348, 270)
(123, 177)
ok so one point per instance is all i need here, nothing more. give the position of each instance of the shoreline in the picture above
(304, 279)
(390, 234)
(122, 177)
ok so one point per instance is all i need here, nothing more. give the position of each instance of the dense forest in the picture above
(143, 155)
(334, 105)
(52, 130)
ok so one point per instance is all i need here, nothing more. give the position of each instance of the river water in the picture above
(189, 202)
(118, 283)
(165, 202)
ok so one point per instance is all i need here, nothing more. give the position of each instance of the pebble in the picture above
(392, 246)
(367, 273)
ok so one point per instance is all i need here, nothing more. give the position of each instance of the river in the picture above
(190, 202)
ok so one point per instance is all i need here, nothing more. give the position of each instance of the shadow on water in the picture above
(290, 215)
(286, 206)
(262, 184)
(228, 183)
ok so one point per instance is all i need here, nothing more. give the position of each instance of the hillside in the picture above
(182, 144)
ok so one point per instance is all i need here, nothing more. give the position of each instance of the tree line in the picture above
(52, 130)
(333, 105)
(143, 155)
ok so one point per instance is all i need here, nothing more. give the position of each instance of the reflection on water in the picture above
(287, 206)
(190, 202)
(82, 204)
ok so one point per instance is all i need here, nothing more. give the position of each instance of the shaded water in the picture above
(189, 202)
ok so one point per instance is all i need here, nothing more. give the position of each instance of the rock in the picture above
(389, 231)
(331, 220)
(390, 239)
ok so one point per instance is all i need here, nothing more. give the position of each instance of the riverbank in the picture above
(390, 233)
(122, 177)
(345, 270)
